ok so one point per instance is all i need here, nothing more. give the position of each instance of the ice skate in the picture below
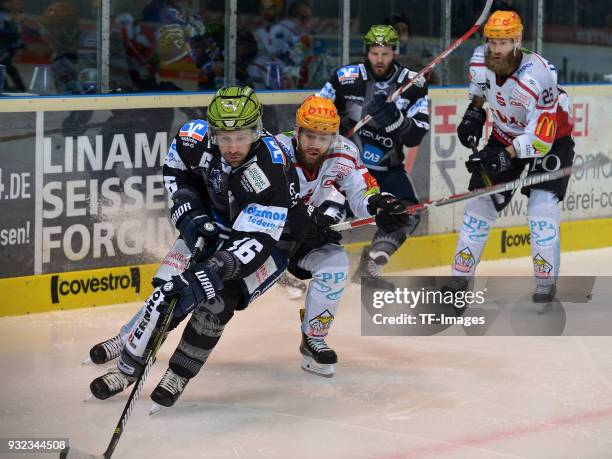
(168, 390)
(110, 384)
(317, 357)
(454, 285)
(105, 351)
(369, 271)
(543, 296)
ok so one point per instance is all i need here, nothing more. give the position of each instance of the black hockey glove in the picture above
(491, 160)
(191, 220)
(385, 115)
(319, 232)
(390, 213)
(470, 128)
(194, 287)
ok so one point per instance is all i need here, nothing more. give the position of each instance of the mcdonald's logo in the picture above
(546, 127)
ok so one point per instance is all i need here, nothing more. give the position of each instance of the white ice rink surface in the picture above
(391, 397)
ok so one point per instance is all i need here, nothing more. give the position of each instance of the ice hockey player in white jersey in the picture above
(330, 172)
(530, 128)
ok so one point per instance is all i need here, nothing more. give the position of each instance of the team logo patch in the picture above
(275, 150)
(464, 260)
(215, 180)
(195, 130)
(348, 74)
(321, 323)
(541, 267)
(256, 178)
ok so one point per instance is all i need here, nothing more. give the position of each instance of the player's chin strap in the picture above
(599, 160)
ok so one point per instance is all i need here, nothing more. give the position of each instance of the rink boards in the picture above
(84, 212)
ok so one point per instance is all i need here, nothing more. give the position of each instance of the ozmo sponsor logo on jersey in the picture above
(265, 217)
(95, 284)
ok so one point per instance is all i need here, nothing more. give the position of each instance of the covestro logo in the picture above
(67, 285)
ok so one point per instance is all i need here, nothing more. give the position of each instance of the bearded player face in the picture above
(500, 56)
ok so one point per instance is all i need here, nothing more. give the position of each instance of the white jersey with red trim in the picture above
(528, 109)
(342, 174)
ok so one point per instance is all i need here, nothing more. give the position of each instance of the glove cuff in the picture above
(180, 210)
(396, 125)
(477, 113)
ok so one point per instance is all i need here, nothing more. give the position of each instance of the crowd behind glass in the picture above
(52, 47)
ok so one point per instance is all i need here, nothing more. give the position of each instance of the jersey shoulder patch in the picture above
(277, 152)
(478, 68)
(348, 74)
(256, 178)
(194, 130)
(285, 141)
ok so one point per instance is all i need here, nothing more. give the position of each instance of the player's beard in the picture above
(307, 162)
(504, 66)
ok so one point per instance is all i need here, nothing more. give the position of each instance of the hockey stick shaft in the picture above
(150, 359)
(529, 180)
(483, 15)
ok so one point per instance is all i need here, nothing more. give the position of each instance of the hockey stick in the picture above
(529, 180)
(73, 453)
(483, 15)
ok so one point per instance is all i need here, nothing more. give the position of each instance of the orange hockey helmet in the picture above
(504, 24)
(318, 114)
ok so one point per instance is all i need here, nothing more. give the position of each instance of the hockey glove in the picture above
(385, 114)
(389, 211)
(319, 232)
(493, 160)
(193, 287)
(470, 128)
(192, 222)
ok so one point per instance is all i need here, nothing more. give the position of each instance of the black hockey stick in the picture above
(529, 180)
(73, 453)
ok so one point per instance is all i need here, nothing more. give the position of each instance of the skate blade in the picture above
(155, 408)
(326, 370)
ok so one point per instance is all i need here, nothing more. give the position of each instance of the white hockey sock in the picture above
(329, 267)
(544, 218)
(478, 217)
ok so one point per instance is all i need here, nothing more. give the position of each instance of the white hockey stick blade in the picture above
(88, 397)
(75, 453)
(87, 361)
(155, 408)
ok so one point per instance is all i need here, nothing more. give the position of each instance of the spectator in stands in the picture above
(10, 42)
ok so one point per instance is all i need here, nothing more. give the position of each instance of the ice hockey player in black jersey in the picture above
(362, 89)
(232, 184)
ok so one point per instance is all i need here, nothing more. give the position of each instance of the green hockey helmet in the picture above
(381, 35)
(235, 108)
